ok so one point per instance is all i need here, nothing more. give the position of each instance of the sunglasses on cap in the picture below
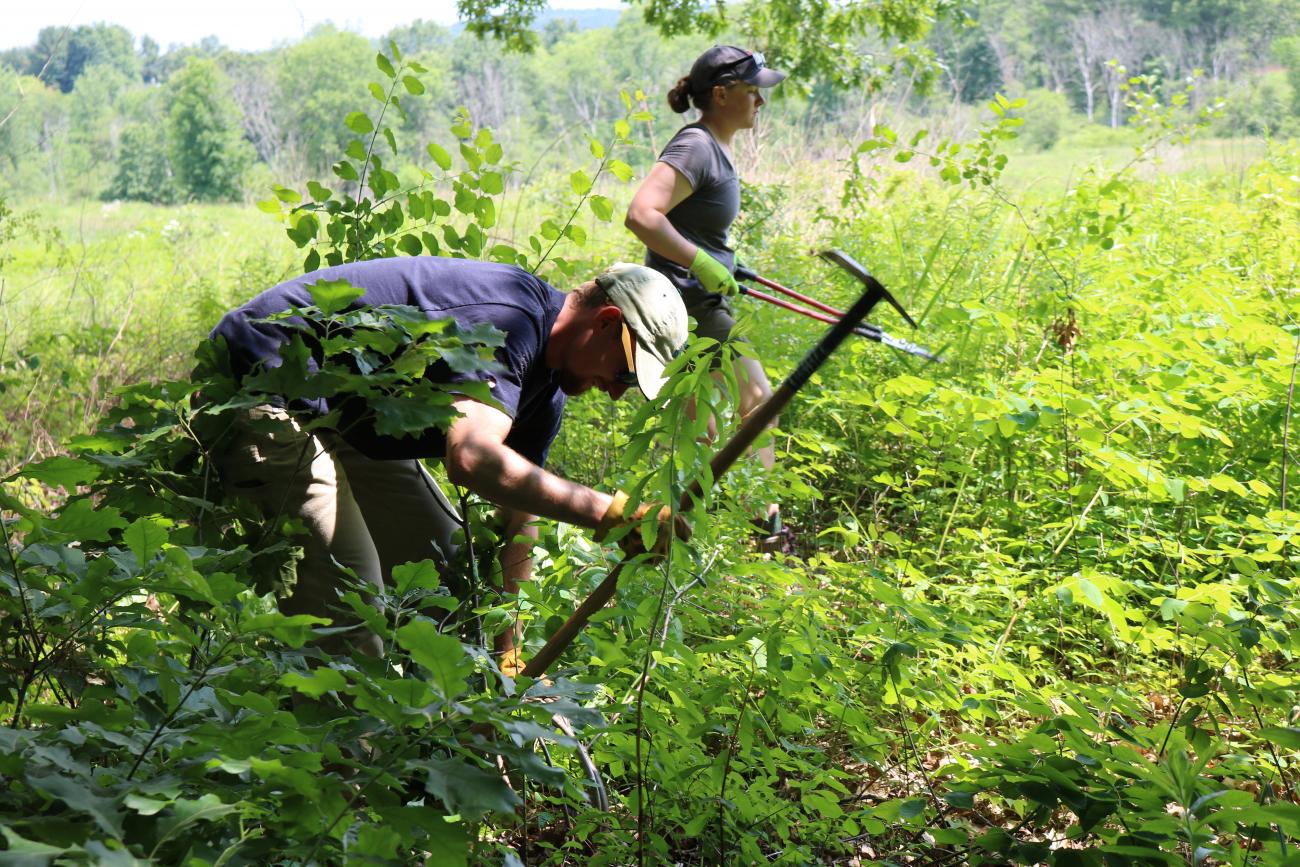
(744, 68)
(627, 377)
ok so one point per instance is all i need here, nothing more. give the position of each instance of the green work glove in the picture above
(712, 274)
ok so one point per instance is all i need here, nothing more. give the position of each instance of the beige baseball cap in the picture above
(652, 307)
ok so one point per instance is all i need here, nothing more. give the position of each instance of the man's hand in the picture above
(712, 274)
(511, 663)
(631, 542)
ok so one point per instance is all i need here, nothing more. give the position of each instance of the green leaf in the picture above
(77, 794)
(416, 576)
(21, 852)
(441, 655)
(145, 806)
(469, 790)
(470, 154)
(410, 245)
(602, 207)
(385, 65)
(620, 170)
(62, 471)
(357, 150)
(491, 183)
(145, 537)
(345, 170)
(333, 296)
(302, 228)
(485, 212)
(576, 234)
(359, 122)
(185, 812)
(466, 201)
(911, 808)
(413, 85)
(1287, 737)
(446, 842)
(81, 520)
(315, 684)
(294, 630)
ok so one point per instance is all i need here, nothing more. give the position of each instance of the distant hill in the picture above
(586, 19)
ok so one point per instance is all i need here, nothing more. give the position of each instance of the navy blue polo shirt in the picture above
(508, 298)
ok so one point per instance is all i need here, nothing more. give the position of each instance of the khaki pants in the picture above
(368, 515)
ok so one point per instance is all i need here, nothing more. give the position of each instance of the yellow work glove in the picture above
(712, 274)
(631, 542)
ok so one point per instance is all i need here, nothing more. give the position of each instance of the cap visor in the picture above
(649, 373)
(766, 78)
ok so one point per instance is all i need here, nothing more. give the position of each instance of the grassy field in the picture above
(103, 293)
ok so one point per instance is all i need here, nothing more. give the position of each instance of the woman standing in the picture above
(686, 205)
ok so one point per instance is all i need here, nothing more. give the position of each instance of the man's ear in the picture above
(609, 315)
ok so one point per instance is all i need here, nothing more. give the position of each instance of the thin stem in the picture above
(29, 622)
(649, 656)
(911, 744)
(370, 149)
(726, 766)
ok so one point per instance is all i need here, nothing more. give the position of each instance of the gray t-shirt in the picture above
(704, 216)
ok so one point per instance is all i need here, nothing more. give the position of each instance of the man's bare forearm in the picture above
(498, 473)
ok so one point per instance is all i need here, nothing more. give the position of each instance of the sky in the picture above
(245, 25)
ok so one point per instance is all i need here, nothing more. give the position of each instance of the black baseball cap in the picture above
(723, 63)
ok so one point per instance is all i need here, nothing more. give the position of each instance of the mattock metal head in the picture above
(848, 263)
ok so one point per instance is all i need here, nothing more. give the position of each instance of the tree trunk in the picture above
(1085, 75)
(47, 145)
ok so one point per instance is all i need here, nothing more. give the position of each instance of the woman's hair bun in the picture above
(679, 98)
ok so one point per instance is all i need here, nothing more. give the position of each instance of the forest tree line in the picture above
(94, 111)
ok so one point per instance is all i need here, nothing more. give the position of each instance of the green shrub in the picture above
(1287, 51)
(143, 169)
(1047, 117)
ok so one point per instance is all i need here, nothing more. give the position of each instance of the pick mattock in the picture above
(831, 314)
(754, 424)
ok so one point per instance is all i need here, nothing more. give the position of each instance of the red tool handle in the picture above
(743, 273)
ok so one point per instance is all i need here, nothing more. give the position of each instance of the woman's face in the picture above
(738, 104)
